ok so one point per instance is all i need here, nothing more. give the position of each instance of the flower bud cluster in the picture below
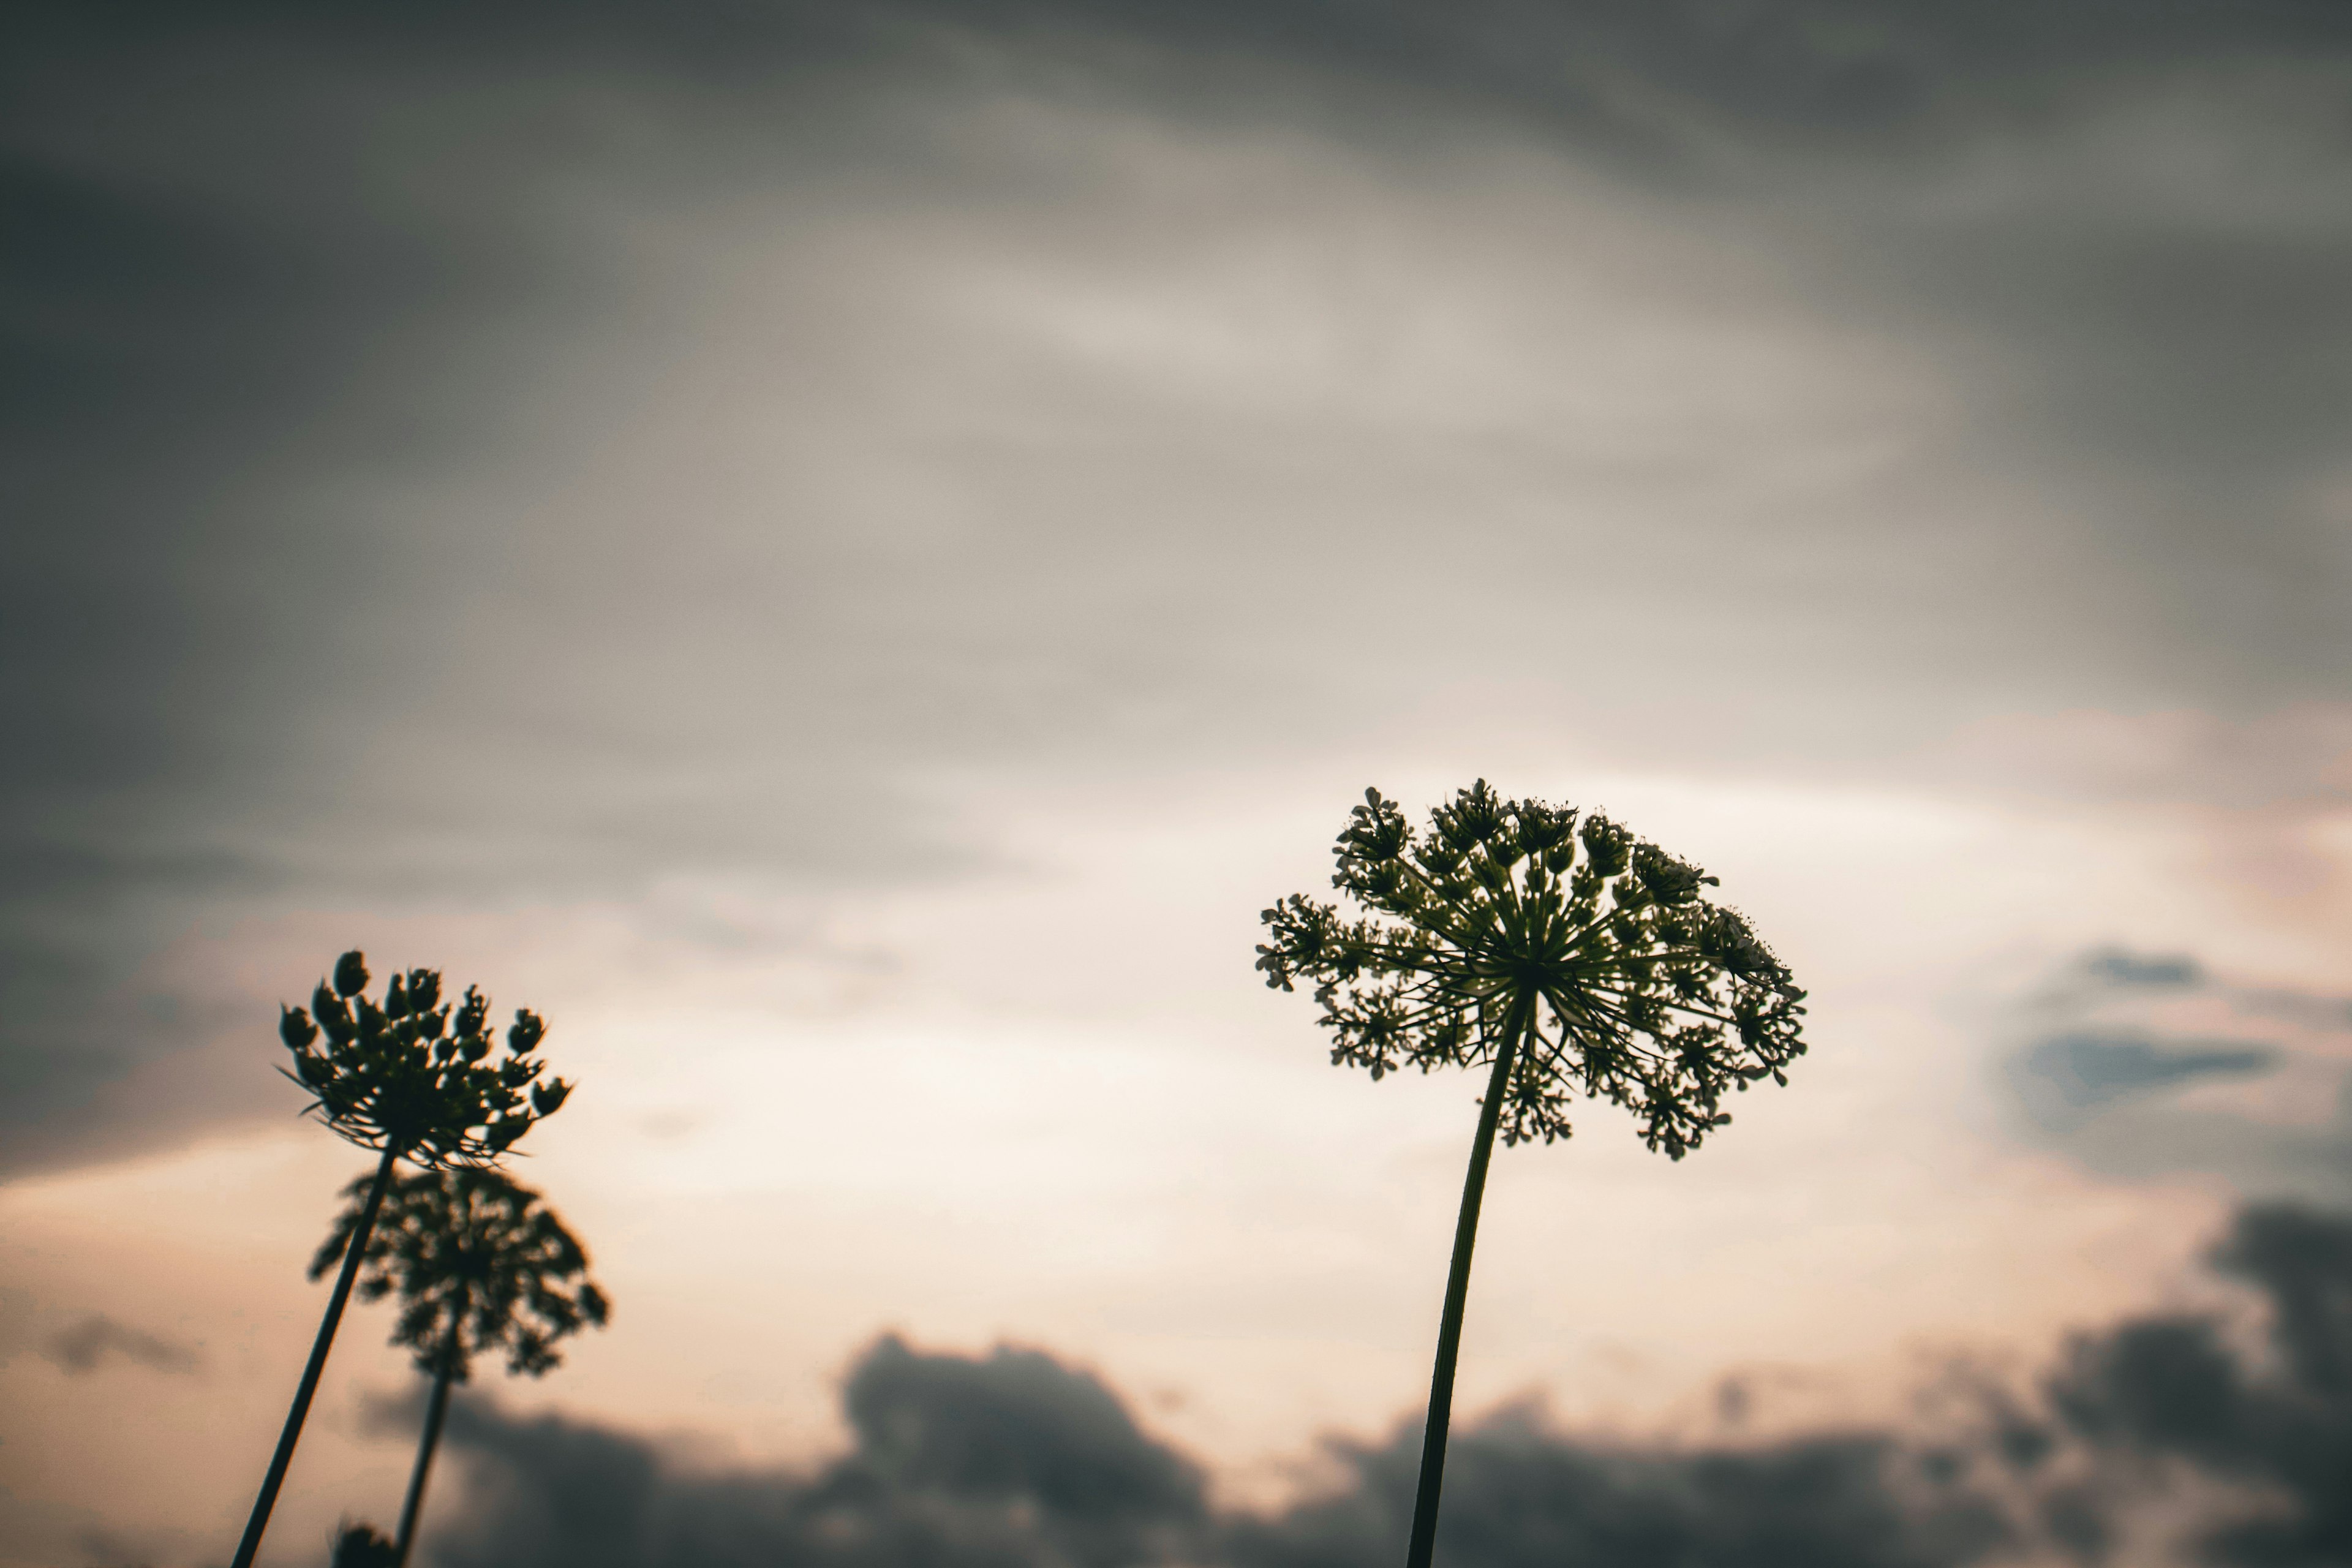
(414, 1073)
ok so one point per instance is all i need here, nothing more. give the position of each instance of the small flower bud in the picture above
(350, 974)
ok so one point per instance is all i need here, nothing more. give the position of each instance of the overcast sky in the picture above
(844, 552)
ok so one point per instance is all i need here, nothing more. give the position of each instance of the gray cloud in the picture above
(1015, 1459)
(2133, 971)
(2122, 973)
(154, 618)
(93, 1341)
(2312, 1010)
(2097, 1072)
(208, 663)
(2068, 1076)
(2174, 1388)
(328, 327)
(1515, 1494)
(1011, 1457)
(2154, 1140)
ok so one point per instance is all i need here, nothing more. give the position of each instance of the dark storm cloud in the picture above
(1836, 68)
(1015, 1459)
(1003, 1459)
(2175, 1389)
(157, 348)
(1517, 1496)
(96, 1340)
(1661, 86)
(227, 284)
(1016, 1424)
(270, 265)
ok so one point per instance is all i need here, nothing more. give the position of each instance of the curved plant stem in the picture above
(434, 1414)
(309, 1385)
(1457, 1294)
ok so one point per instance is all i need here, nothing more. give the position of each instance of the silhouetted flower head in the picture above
(474, 1247)
(413, 1072)
(1511, 919)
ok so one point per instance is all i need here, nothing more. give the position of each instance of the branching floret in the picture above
(1592, 952)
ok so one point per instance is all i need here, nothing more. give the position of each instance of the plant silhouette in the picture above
(1488, 940)
(413, 1076)
(361, 1545)
(481, 1264)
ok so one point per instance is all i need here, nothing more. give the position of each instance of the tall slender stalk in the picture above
(1457, 1296)
(434, 1414)
(310, 1385)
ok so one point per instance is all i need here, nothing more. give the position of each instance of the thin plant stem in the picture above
(1458, 1295)
(318, 1348)
(434, 1414)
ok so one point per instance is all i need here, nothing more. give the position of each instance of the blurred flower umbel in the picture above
(480, 1263)
(1490, 940)
(411, 1075)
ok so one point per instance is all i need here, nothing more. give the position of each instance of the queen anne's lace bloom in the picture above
(1586, 953)
(414, 1074)
(480, 1262)
(413, 1077)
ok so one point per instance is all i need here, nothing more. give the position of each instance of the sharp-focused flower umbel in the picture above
(1584, 953)
(1566, 958)
(411, 1074)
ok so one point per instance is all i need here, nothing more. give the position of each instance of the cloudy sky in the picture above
(843, 553)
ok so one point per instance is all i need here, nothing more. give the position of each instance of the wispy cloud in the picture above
(96, 1340)
(2080, 1072)
(2116, 1039)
